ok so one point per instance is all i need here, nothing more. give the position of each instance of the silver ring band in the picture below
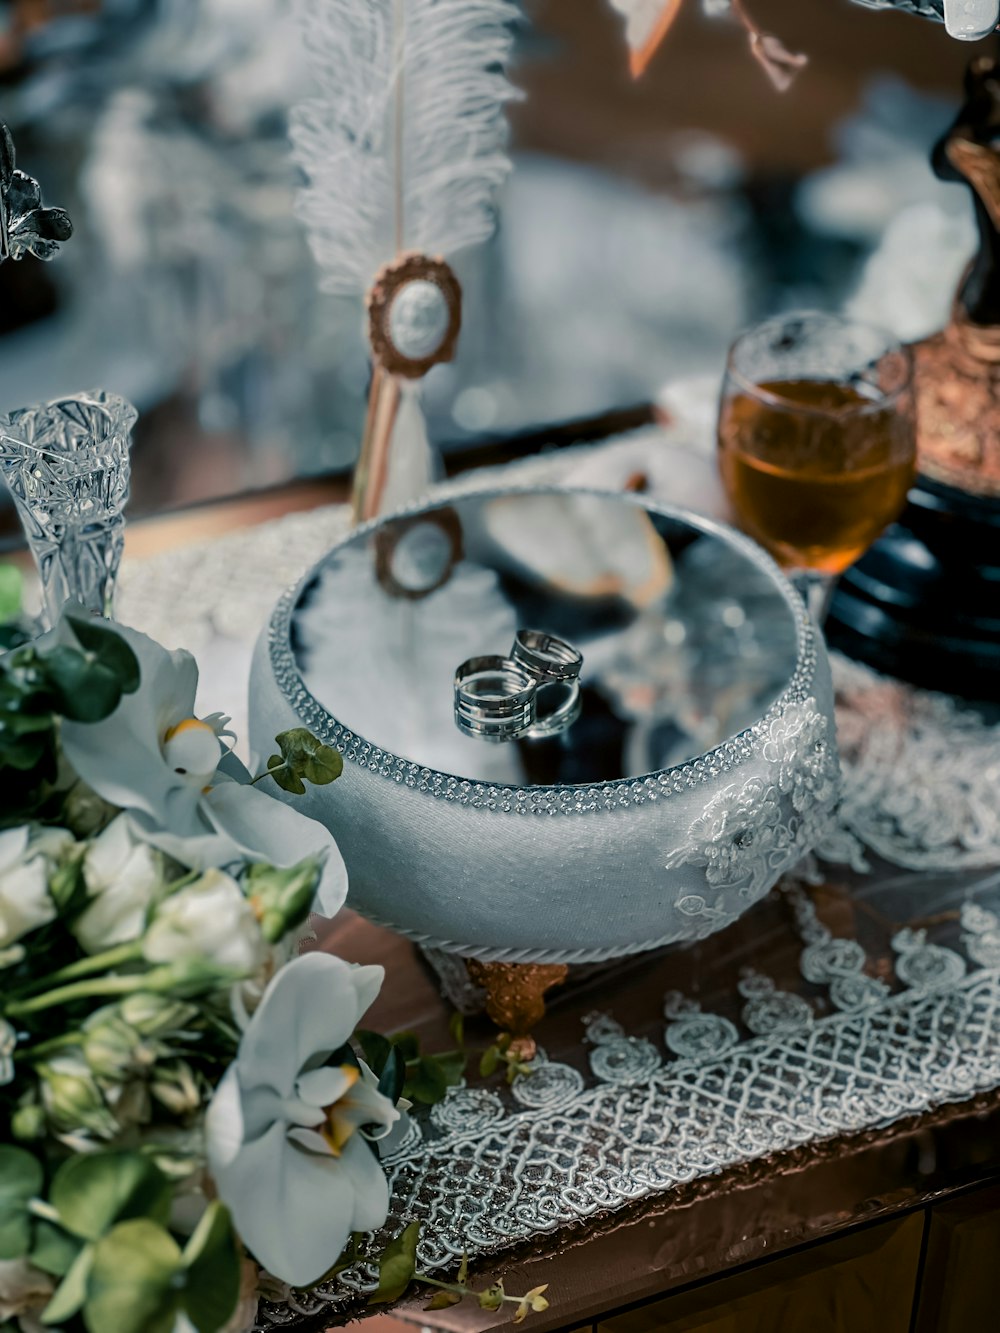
(495, 698)
(546, 657)
(554, 714)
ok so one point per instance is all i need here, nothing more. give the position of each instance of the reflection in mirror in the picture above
(685, 639)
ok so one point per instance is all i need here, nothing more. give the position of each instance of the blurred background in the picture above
(642, 226)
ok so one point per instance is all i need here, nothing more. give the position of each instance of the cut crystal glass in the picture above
(67, 466)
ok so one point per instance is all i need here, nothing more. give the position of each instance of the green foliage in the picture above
(11, 589)
(91, 1193)
(40, 683)
(132, 1284)
(397, 1266)
(303, 759)
(212, 1260)
(425, 1078)
(122, 1267)
(21, 1180)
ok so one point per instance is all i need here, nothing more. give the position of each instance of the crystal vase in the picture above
(67, 466)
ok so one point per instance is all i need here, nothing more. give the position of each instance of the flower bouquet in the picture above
(188, 1114)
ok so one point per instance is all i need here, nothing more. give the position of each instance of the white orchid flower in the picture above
(123, 875)
(25, 856)
(154, 758)
(208, 919)
(282, 1132)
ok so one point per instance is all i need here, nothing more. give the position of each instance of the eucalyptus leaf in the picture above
(133, 1287)
(92, 1192)
(21, 1180)
(53, 1250)
(397, 1266)
(108, 649)
(212, 1259)
(305, 758)
(72, 1291)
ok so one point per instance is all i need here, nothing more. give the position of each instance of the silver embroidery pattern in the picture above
(921, 774)
(494, 1171)
(746, 832)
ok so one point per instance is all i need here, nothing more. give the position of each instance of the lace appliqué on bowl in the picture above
(748, 832)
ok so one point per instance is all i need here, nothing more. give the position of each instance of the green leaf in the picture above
(72, 1291)
(456, 1026)
(21, 1180)
(463, 1271)
(375, 1048)
(108, 649)
(429, 1078)
(91, 1193)
(11, 588)
(212, 1260)
(132, 1286)
(408, 1044)
(306, 759)
(442, 1299)
(84, 691)
(396, 1266)
(286, 778)
(54, 1250)
(392, 1079)
(490, 1062)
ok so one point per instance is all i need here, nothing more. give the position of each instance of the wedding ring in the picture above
(545, 657)
(495, 698)
(557, 707)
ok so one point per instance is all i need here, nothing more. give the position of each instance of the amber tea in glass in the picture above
(816, 439)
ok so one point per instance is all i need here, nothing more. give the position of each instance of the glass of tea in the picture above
(817, 441)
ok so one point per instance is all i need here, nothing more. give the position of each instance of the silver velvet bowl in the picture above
(702, 765)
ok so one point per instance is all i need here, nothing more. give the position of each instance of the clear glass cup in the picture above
(817, 441)
(67, 466)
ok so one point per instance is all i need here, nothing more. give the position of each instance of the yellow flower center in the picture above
(340, 1120)
(192, 747)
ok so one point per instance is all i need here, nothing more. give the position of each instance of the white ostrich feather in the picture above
(404, 139)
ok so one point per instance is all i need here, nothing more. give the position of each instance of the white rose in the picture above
(23, 1288)
(122, 874)
(25, 902)
(209, 919)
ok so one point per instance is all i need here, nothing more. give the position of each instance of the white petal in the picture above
(120, 757)
(367, 984)
(323, 1087)
(368, 1180)
(308, 1010)
(224, 1122)
(294, 1210)
(310, 1140)
(269, 830)
(13, 842)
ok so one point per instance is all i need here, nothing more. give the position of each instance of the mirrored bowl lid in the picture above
(692, 640)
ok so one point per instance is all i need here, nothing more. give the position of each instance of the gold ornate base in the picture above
(515, 997)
